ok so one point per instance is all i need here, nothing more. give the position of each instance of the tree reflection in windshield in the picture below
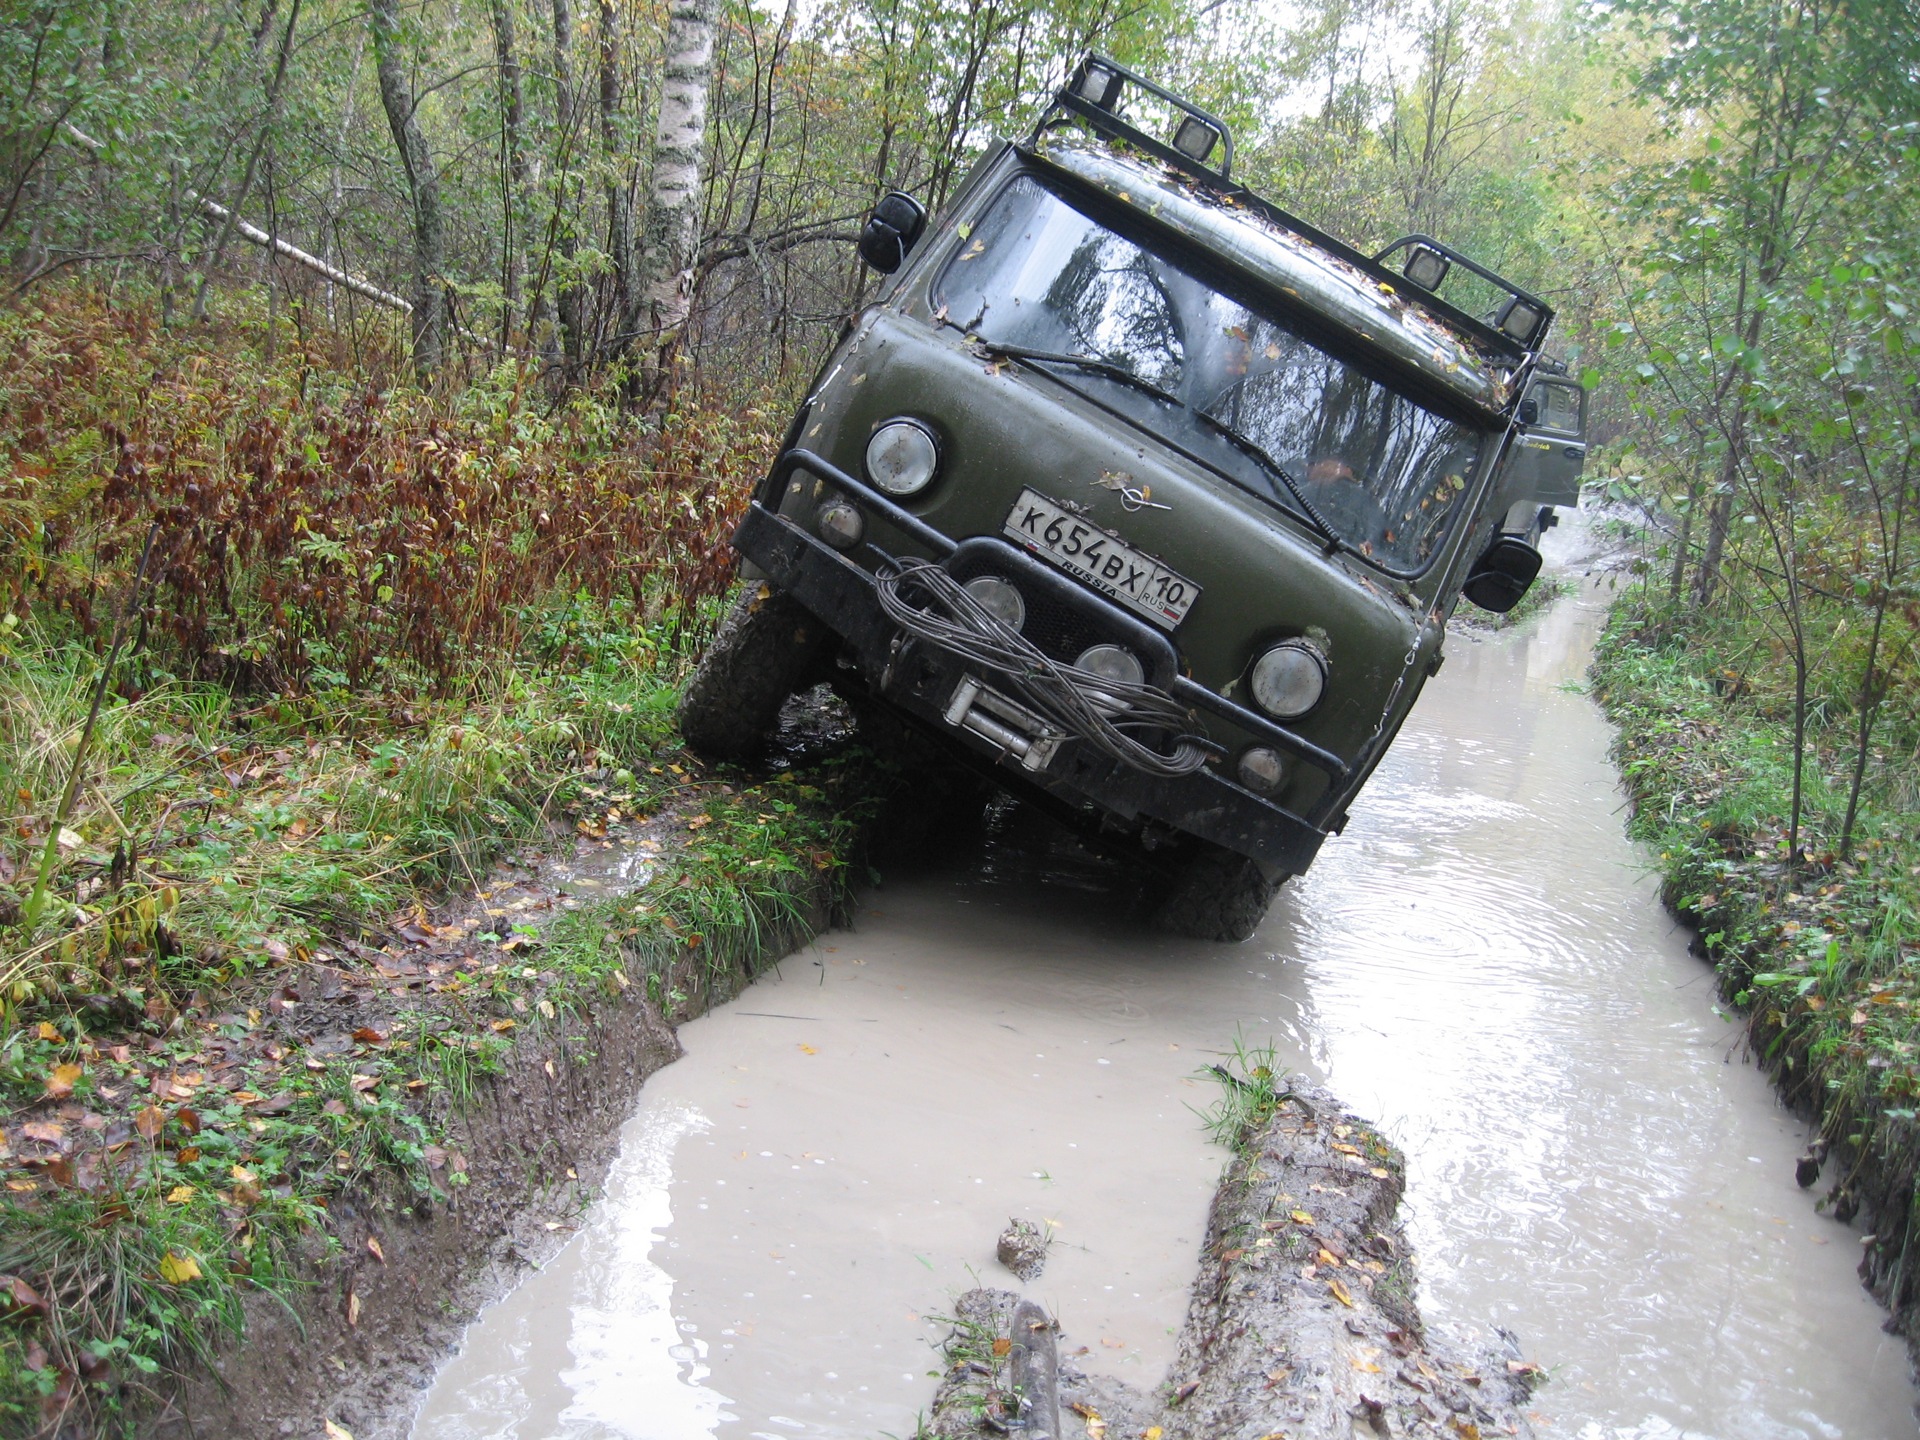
(1383, 471)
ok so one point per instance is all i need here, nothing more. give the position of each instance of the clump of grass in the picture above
(1252, 1089)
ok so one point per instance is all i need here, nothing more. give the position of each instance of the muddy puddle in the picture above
(1480, 964)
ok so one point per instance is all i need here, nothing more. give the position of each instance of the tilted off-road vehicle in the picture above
(1147, 497)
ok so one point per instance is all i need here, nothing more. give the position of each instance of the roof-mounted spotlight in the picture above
(1426, 267)
(1520, 320)
(1099, 85)
(1195, 139)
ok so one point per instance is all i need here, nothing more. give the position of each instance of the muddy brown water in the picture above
(1481, 964)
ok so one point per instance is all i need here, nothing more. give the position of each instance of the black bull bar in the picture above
(1205, 803)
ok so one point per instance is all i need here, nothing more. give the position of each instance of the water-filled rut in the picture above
(1480, 964)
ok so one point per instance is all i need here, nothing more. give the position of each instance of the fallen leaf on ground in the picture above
(1339, 1292)
(43, 1130)
(1002, 1346)
(353, 1307)
(181, 1194)
(60, 1080)
(373, 1245)
(338, 1432)
(24, 1295)
(1300, 1217)
(178, 1269)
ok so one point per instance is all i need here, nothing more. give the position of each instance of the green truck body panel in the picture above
(1150, 467)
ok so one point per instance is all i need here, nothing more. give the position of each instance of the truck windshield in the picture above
(1236, 386)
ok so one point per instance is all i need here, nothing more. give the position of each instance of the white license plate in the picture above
(1110, 565)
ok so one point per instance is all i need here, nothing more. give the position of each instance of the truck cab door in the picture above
(1548, 454)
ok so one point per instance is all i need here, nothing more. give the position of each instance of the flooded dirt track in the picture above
(1480, 964)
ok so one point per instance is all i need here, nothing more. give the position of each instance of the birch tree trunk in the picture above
(671, 237)
(423, 187)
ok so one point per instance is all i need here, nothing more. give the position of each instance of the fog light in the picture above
(1262, 770)
(1195, 138)
(1520, 320)
(1099, 86)
(840, 525)
(1111, 662)
(1289, 679)
(999, 599)
(1426, 267)
(902, 457)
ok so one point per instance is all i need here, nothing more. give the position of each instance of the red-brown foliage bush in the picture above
(312, 523)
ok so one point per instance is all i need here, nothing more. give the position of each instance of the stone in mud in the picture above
(1023, 1249)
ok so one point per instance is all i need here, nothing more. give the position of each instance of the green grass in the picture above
(222, 840)
(1824, 955)
(1252, 1089)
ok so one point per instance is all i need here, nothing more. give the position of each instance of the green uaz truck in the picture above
(1146, 497)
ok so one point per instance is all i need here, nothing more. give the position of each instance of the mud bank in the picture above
(1817, 958)
(1302, 1320)
(383, 1293)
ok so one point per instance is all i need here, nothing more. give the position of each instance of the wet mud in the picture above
(392, 1281)
(1480, 965)
(1302, 1320)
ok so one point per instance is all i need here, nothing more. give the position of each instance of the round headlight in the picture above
(841, 526)
(902, 457)
(1110, 662)
(1289, 679)
(1262, 770)
(999, 599)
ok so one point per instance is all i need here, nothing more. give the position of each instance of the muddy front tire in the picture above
(1218, 895)
(769, 646)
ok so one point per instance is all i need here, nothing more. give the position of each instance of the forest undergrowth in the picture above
(1819, 949)
(382, 636)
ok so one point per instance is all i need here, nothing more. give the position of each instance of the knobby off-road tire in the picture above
(766, 648)
(1218, 895)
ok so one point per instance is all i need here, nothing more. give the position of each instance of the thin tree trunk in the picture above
(1677, 573)
(615, 161)
(1706, 576)
(513, 186)
(672, 235)
(1872, 689)
(1869, 711)
(274, 88)
(567, 299)
(423, 188)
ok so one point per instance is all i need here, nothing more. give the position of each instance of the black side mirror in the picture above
(1502, 574)
(891, 231)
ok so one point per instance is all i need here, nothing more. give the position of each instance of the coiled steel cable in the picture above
(1066, 695)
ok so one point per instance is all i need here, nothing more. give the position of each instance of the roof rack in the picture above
(1094, 95)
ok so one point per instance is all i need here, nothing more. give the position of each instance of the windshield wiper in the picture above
(1093, 363)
